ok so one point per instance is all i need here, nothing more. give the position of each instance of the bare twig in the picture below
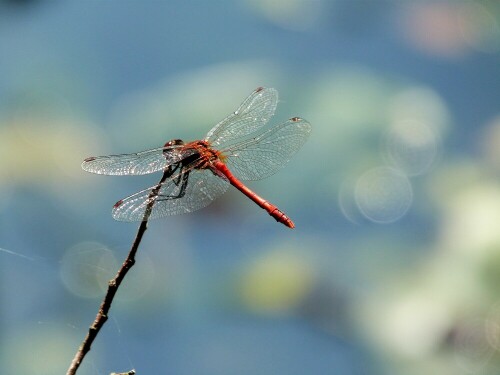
(131, 372)
(102, 314)
(114, 284)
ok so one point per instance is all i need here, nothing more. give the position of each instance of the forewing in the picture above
(252, 114)
(263, 155)
(201, 189)
(139, 163)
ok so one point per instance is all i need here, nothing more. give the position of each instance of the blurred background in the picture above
(394, 265)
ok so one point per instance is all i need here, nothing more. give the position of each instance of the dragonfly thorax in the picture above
(200, 153)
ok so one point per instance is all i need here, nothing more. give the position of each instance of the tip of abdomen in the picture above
(282, 218)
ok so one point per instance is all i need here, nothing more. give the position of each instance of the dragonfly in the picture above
(196, 173)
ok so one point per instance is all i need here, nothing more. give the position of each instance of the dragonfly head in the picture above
(174, 142)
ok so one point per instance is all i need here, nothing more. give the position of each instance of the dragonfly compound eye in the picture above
(174, 142)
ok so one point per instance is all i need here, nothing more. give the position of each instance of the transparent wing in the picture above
(252, 114)
(139, 163)
(263, 155)
(200, 188)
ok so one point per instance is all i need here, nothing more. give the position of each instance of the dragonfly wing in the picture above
(181, 193)
(139, 163)
(252, 114)
(263, 155)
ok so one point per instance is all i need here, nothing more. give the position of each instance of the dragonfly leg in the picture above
(183, 181)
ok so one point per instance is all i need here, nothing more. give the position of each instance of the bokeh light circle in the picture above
(383, 194)
(87, 267)
(411, 146)
(479, 27)
(492, 327)
(82, 270)
(471, 347)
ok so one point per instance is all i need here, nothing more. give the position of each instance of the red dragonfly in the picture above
(196, 173)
